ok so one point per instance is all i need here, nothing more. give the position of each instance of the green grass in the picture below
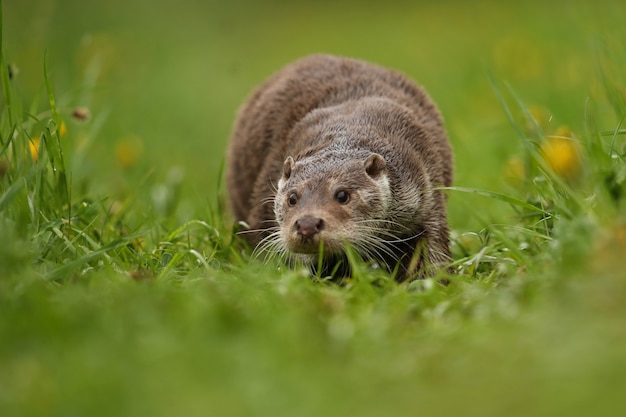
(124, 292)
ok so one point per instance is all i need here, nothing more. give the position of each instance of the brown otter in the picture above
(333, 151)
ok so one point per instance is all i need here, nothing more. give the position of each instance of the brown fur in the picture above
(314, 127)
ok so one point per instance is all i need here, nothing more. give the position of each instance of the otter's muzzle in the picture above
(309, 226)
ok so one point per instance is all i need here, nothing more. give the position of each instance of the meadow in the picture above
(125, 291)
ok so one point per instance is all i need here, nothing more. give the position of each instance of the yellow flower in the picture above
(33, 145)
(560, 151)
(128, 150)
(62, 129)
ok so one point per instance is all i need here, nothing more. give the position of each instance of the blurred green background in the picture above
(163, 79)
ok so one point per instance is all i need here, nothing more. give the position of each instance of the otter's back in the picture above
(258, 142)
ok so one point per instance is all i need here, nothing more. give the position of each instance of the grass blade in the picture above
(500, 197)
(55, 139)
(66, 269)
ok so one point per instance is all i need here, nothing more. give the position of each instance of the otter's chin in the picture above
(308, 247)
(305, 250)
(313, 246)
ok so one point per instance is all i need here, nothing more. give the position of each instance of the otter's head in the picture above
(330, 199)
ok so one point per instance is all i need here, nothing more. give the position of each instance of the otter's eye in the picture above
(292, 200)
(342, 197)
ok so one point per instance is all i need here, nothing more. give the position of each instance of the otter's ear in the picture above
(375, 165)
(288, 166)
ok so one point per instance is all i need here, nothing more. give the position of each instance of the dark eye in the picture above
(342, 197)
(292, 200)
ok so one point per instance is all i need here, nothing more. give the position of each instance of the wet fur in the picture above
(330, 114)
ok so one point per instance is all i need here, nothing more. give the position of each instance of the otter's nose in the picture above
(309, 226)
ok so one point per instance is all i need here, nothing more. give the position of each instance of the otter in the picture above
(334, 152)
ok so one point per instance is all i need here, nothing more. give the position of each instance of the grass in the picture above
(124, 292)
